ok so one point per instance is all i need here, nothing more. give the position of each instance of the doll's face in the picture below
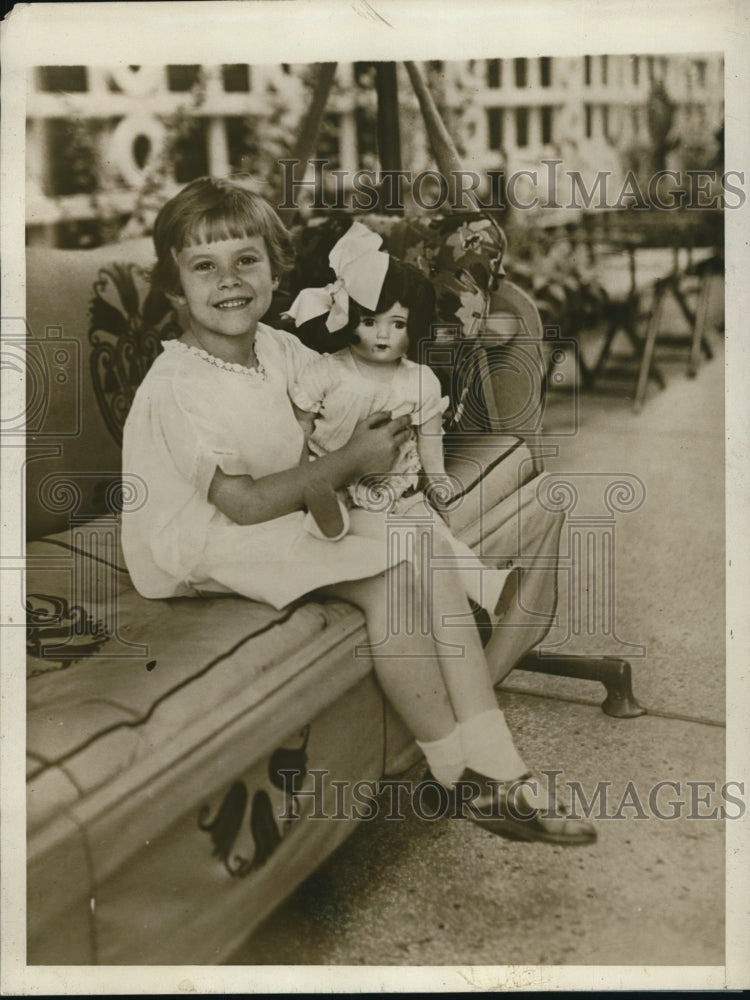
(382, 337)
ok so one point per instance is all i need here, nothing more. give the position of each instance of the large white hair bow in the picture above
(360, 269)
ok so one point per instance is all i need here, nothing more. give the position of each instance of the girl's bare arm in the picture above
(372, 448)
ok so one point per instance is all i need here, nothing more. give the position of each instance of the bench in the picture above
(155, 741)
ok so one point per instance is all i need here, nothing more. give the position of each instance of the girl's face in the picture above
(227, 286)
(382, 337)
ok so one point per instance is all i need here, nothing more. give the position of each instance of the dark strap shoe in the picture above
(508, 809)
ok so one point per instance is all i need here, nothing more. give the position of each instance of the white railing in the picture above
(92, 151)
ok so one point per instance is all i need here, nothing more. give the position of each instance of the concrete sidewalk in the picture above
(650, 891)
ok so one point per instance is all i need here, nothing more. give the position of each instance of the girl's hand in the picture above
(372, 448)
(374, 445)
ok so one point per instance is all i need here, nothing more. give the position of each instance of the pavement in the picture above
(651, 890)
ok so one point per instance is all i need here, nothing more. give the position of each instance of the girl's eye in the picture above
(248, 260)
(203, 265)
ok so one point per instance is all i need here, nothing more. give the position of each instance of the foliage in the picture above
(181, 128)
(459, 253)
(551, 267)
(81, 164)
(267, 138)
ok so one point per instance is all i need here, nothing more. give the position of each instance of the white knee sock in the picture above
(488, 746)
(445, 757)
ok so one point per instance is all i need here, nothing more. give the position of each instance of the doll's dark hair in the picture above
(210, 209)
(405, 284)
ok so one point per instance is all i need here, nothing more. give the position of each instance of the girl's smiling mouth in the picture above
(233, 303)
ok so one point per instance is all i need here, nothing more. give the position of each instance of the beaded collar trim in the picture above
(229, 366)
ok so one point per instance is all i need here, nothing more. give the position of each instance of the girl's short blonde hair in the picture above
(210, 209)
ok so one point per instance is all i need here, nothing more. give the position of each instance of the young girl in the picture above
(213, 434)
(375, 371)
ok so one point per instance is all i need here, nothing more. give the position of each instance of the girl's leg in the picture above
(487, 742)
(407, 665)
(408, 669)
(466, 676)
(431, 689)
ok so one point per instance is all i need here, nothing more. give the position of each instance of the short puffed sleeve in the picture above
(314, 383)
(431, 403)
(188, 434)
(295, 355)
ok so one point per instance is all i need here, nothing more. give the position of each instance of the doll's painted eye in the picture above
(368, 321)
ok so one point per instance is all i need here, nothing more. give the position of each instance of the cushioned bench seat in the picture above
(157, 731)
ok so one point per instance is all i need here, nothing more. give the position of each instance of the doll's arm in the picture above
(430, 446)
(306, 420)
(307, 395)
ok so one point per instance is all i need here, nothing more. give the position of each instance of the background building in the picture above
(106, 145)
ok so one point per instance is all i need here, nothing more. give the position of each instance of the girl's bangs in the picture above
(225, 222)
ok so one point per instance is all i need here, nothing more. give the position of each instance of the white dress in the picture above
(191, 415)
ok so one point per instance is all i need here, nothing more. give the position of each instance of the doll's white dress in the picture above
(334, 388)
(193, 414)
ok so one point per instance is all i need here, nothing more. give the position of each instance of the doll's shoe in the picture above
(324, 507)
(506, 812)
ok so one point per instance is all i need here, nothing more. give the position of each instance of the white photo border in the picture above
(299, 31)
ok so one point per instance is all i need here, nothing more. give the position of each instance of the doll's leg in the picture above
(489, 587)
(327, 518)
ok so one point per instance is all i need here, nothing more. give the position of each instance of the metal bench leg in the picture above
(612, 672)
